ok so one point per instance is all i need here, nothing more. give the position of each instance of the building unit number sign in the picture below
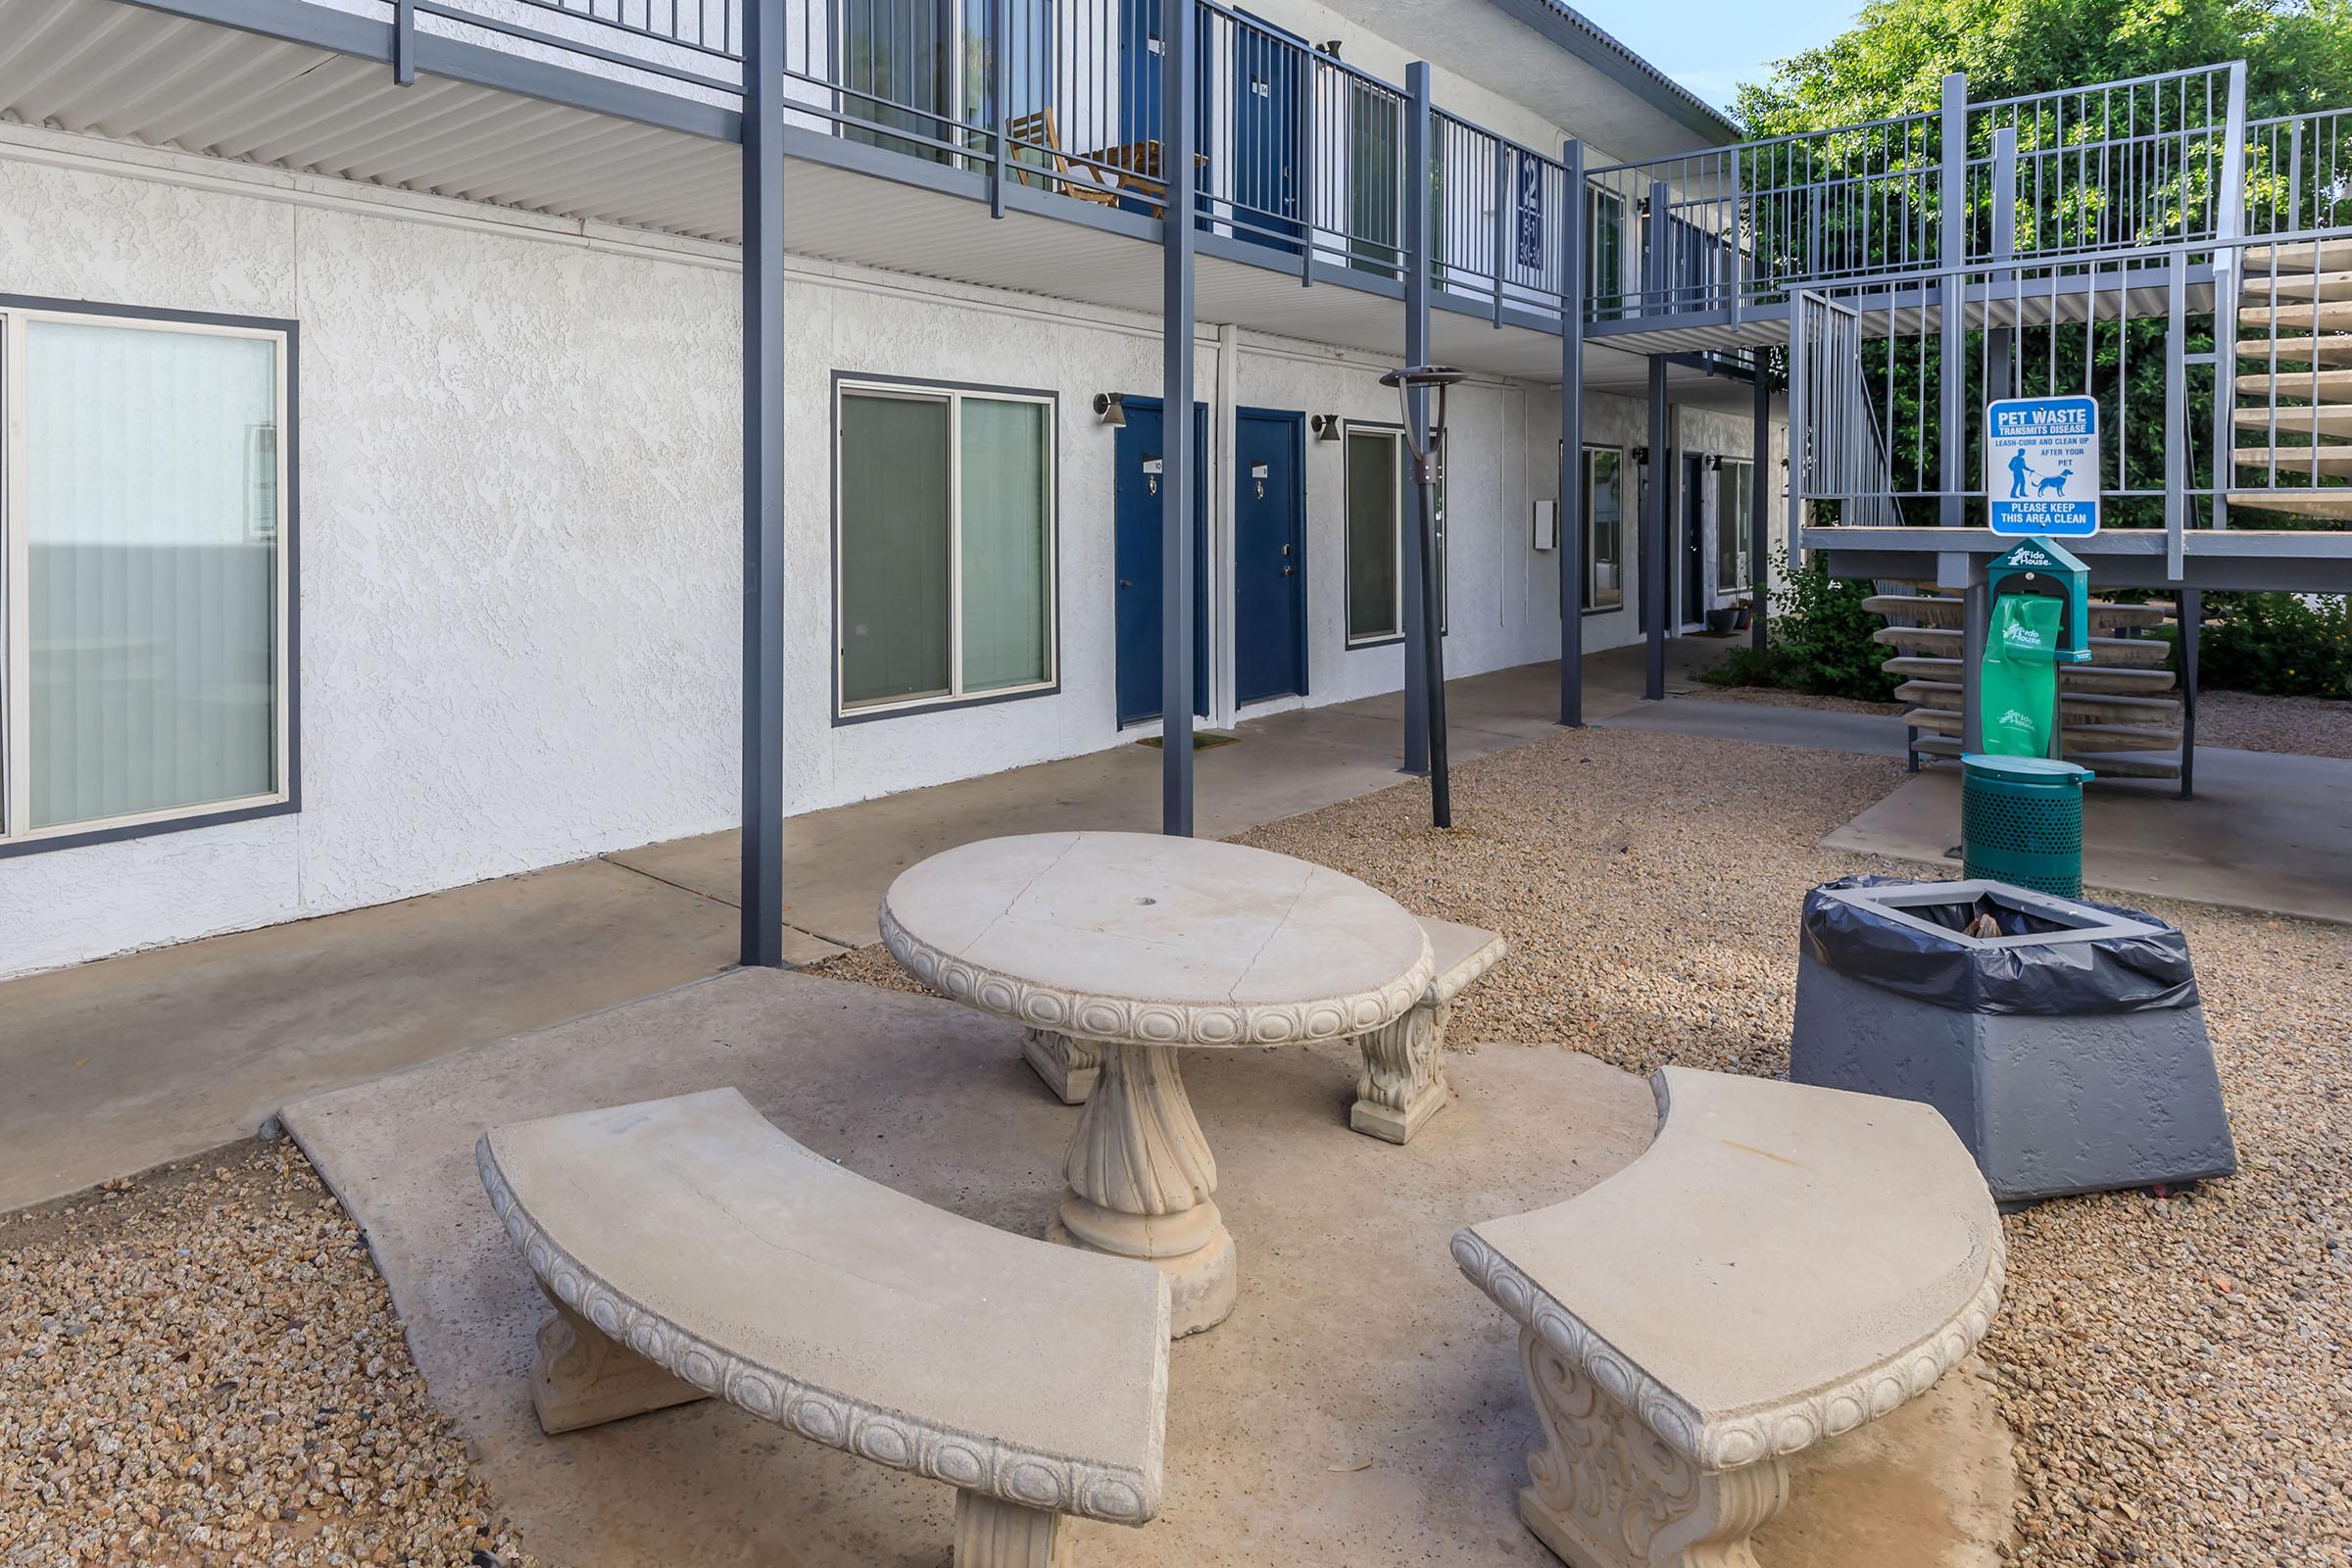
(2041, 466)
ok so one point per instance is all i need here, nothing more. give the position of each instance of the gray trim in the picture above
(1571, 31)
(289, 541)
(1180, 28)
(842, 717)
(1568, 522)
(317, 26)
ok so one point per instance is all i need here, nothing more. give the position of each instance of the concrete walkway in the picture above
(2267, 831)
(1361, 1405)
(129, 1062)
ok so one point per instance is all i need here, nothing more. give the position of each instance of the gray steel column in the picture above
(1654, 569)
(1569, 536)
(1976, 625)
(1953, 567)
(762, 897)
(1416, 352)
(1759, 512)
(1180, 25)
(2192, 621)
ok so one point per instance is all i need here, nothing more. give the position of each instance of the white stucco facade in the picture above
(520, 527)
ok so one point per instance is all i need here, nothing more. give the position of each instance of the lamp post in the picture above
(1427, 450)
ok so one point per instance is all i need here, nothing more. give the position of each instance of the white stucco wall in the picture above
(520, 523)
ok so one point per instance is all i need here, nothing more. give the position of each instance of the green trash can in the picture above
(2021, 821)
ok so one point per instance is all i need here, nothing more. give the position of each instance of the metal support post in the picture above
(1759, 516)
(1951, 416)
(1976, 626)
(2192, 622)
(403, 43)
(1000, 93)
(1418, 632)
(1654, 567)
(1180, 28)
(2229, 264)
(762, 889)
(1307, 169)
(1503, 195)
(1569, 536)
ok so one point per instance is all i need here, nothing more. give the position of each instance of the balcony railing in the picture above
(1297, 151)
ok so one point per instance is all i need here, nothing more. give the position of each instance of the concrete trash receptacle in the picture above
(2068, 1053)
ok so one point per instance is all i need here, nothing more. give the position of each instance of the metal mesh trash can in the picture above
(2021, 821)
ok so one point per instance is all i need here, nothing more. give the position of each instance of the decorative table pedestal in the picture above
(1131, 947)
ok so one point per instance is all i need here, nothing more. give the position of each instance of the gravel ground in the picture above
(2311, 725)
(201, 1367)
(1773, 697)
(2177, 1370)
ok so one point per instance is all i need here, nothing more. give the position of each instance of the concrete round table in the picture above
(1136, 946)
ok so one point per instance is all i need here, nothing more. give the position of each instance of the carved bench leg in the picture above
(1068, 1066)
(1403, 1081)
(991, 1533)
(584, 1378)
(1607, 1494)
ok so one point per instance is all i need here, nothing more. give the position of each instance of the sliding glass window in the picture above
(143, 547)
(1604, 528)
(1380, 500)
(1734, 516)
(945, 545)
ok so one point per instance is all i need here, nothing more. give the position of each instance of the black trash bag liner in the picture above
(2100, 974)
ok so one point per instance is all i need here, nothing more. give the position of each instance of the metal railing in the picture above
(1298, 151)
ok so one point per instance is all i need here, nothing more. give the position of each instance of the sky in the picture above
(1712, 46)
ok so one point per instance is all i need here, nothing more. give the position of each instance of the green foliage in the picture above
(1819, 639)
(2279, 645)
(2299, 55)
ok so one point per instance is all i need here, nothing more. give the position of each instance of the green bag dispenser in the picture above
(2041, 619)
(2044, 568)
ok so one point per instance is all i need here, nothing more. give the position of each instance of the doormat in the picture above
(1202, 740)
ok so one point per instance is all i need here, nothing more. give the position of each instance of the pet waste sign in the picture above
(2041, 466)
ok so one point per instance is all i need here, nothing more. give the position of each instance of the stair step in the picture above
(2297, 350)
(2327, 256)
(1925, 610)
(2295, 462)
(2106, 765)
(2127, 652)
(2075, 737)
(2309, 420)
(2289, 284)
(2300, 386)
(2319, 315)
(1946, 698)
(2071, 678)
(2329, 502)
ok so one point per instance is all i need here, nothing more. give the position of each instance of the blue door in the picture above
(1266, 93)
(1141, 52)
(1137, 555)
(1269, 555)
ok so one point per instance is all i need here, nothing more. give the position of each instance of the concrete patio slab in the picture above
(1361, 1405)
(2267, 831)
(124, 1064)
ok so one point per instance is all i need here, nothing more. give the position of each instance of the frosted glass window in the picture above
(946, 546)
(150, 539)
(1604, 528)
(1007, 516)
(1381, 498)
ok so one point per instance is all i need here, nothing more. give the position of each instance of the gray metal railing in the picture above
(1301, 152)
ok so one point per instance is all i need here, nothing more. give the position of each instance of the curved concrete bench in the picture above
(1782, 1265)
(1403, 1081)
(691, 1250)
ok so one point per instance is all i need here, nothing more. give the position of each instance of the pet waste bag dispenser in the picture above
(2021, 808)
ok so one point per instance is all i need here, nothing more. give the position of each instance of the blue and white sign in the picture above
(1529, 233)
(2041, 466)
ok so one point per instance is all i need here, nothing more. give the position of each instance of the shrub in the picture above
(2277, 645)
(1818, 639)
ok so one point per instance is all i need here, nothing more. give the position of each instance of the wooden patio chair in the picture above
(1036, 133)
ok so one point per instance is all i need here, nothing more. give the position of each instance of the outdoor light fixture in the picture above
(1326, 426)
(1112, 406)
(1426, 458)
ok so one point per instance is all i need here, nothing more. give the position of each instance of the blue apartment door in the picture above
(1136, 557)
(1141, 52)
(1266, 68)
(1269, 557)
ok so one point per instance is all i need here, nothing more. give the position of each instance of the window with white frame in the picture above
(1380, 492)
(944, 545)
(145, 658)
(1734, 516)
(1604, 528)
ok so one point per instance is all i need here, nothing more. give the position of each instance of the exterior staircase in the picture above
(2293, 412)
(2119, 715)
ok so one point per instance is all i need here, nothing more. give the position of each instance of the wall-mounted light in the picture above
(1112, 406)
(1331, 47)
(1326, 426)
(1715, 462)
(1642, 455)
